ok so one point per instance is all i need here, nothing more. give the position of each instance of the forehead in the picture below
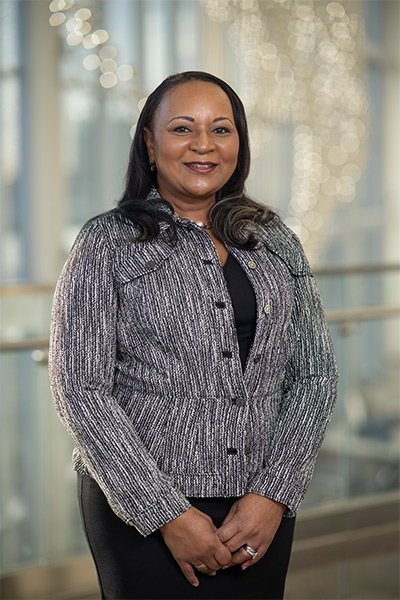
(195, 98)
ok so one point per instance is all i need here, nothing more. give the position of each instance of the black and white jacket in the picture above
(146, 375)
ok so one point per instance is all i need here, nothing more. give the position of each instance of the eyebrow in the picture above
(192, 120)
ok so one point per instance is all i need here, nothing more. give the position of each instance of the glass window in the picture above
(95, 119)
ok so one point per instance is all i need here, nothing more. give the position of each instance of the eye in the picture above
(221, 130)
(181, 129)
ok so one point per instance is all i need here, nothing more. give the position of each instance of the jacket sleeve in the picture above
(308, 399)
(82, 362)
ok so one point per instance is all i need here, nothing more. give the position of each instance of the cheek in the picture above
(166, 148)
(171, 154)
(230, 153)
(231, 161)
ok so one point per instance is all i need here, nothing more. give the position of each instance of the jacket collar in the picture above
(275, 236)
(155, 195)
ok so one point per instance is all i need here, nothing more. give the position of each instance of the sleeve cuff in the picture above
(167, 508)
(265, 484)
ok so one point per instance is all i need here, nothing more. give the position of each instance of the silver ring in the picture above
(253, 553)
(199, 566)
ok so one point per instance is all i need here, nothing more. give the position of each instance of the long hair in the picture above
(232, 211)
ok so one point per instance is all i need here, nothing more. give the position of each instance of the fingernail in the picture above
(244, 567)
(195, 584)
(227, 567)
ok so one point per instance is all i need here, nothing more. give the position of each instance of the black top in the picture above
(244, 305)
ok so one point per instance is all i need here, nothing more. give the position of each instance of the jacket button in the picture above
(267, 309)
(227, 354)
(207, 261)
(251, 264)
(239, 401)
(220, 304)
(150, 264)
(257, 358)
(247, 450)
(291, 263)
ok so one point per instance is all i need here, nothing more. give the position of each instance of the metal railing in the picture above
(333, 316)
(359, 448)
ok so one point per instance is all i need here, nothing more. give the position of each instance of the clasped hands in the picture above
(195, 541)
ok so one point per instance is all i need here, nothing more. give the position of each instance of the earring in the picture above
(152, 167)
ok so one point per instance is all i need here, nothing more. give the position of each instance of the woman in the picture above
(191, 363)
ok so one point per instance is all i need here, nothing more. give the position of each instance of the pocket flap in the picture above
(138, 259)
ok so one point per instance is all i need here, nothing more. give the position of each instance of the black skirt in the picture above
(130, 566)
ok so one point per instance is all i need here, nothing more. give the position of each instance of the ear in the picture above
(149, 141)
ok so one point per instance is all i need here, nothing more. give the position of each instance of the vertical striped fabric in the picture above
(146, 376)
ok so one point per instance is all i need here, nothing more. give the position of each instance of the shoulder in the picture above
(283, 242)
(110, 241)
(109, 230)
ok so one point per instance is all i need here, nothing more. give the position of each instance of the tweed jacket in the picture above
(146, 375)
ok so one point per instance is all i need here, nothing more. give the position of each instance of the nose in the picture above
(202, 143)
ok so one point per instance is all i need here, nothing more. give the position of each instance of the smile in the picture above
(201, 167)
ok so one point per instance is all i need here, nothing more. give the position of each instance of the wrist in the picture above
(283, 507)
(278, 504)
(174, 522)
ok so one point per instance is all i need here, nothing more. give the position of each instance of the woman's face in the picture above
(193, 142)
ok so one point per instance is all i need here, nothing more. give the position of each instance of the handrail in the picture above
(33, 343)
(19, 289)
(367, 313)
(355, 269)
(37, 288)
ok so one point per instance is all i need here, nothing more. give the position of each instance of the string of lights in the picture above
(299, 63)
(78, 30)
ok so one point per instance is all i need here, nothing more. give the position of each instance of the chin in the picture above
(202, 195)
(203, 192)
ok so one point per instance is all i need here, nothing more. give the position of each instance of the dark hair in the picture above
(232, 211)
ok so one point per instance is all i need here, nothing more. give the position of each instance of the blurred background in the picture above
(320, 83)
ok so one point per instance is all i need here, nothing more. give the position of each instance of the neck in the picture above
(194, 210)
(193, 214)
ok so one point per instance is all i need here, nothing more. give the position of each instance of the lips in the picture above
(201, 167)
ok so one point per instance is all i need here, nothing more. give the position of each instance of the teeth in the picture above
(198, 166)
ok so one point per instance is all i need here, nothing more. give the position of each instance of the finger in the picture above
(189, 573)
(222, 555)
(213, 564)
(252, 561)
(227, 530)
(206, 570)
(241, 557)
(211, 573)
(235, 542)
(249, 563)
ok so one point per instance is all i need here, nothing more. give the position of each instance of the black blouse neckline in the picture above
(244, 305)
